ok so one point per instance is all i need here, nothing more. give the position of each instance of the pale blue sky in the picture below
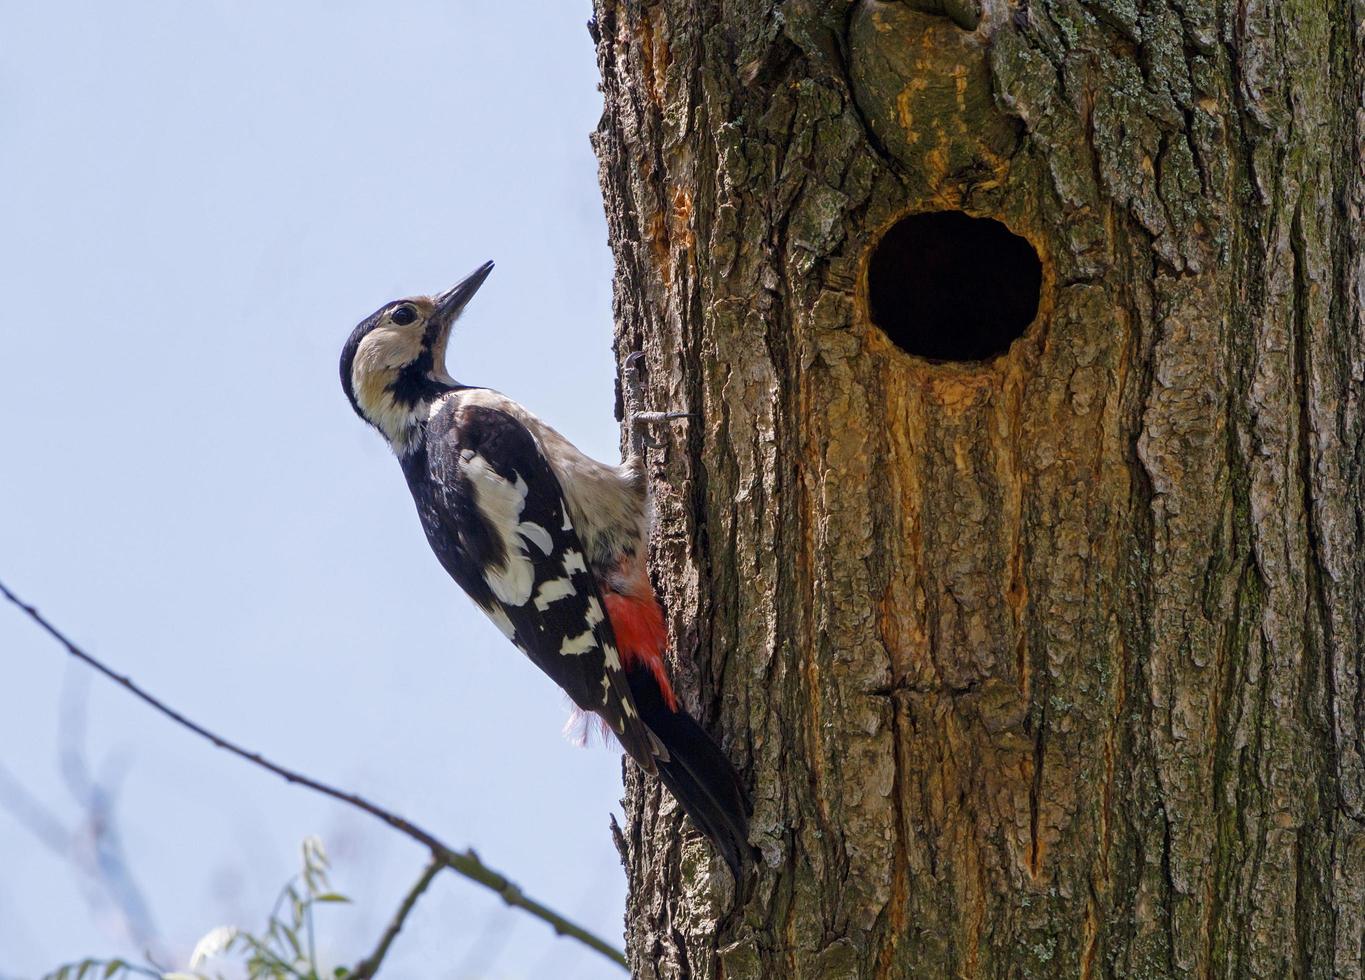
(201, 198)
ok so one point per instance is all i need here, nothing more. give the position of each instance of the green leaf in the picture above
(293, 938)
(295, 906)
(332, 897)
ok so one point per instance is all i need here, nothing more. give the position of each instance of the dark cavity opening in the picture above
(950, 287)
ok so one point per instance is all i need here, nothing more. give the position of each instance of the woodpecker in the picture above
(548, 542)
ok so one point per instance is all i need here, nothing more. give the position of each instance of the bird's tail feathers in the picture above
(696, 772)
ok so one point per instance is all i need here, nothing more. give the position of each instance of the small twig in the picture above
(465, 863)
(104, 841)
(33, 815)
(102, 862)
(485, 946)
(369, 966)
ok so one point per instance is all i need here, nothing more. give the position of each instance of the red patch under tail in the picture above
(638, 622)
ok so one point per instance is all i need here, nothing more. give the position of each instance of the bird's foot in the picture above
(639, 421)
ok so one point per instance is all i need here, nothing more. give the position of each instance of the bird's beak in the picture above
(453, 300)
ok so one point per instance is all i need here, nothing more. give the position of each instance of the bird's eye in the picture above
(403, 315)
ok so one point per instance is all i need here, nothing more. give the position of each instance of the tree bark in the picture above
(1044, 666)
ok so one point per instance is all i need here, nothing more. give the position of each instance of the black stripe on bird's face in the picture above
(425, 378)
(392, 367)
(393, 363)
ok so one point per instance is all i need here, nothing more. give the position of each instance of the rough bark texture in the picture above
(1048, 666)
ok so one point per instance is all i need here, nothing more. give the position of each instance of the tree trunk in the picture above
(1048, 664)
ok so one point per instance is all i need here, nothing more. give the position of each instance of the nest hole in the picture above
(949, 287)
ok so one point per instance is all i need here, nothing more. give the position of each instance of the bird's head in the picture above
(393, 364)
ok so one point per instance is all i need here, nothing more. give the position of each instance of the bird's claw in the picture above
(638, 420)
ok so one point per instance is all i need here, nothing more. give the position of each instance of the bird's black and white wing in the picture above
(495, 515)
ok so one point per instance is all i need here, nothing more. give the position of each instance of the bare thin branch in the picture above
(369, 966)
(465, 863)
